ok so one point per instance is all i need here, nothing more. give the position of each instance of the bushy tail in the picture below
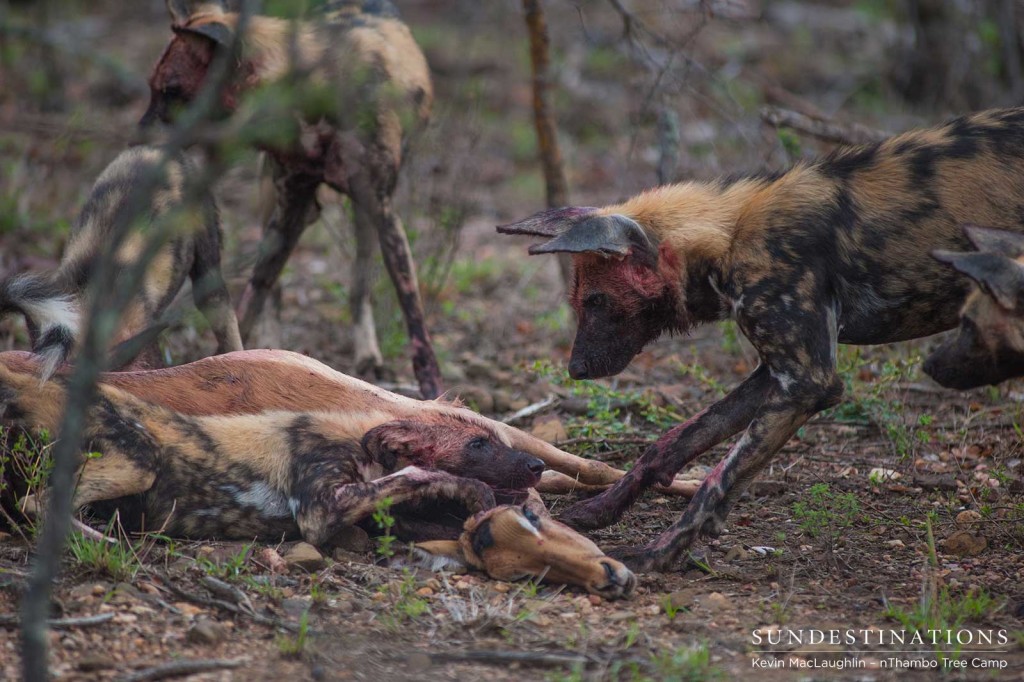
(51, 314)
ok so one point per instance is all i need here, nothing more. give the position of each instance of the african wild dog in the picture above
(989, 343)
(258, 381)
(274, 473)
(52, 302)
(511, 542)
(363, 85)
(831, 251)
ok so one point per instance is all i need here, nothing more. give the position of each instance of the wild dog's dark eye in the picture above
(531, 517)
(478, 443)
(596, 301)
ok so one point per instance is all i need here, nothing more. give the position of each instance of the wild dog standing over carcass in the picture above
(52, 303)
(835, 251)
(361, 84)
(989, 343)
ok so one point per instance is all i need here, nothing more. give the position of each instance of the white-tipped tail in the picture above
(53, 317)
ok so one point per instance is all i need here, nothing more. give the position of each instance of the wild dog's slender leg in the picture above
(364, 334)
(398, 260)
(673, 451)
(799, 350)
(211, 293)
(296, 208)
(353, 502)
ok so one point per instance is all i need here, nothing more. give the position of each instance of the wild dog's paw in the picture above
(642, 559)
(589, 515)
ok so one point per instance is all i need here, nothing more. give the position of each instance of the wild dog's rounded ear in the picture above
(392, 441)
(1001, 277)
(220, 34)
(549, 223)
(607, 235)
(1002, 242)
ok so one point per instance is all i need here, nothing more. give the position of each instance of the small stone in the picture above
(967, 518)
(425, 592)
(305, 556)
(205, 631)
(680, 599)
(896, 544)
(595, 600)
(736, 553)
(269, 557)
(99, 590)
(963, 543)
(716, 601)
(435, 584)
(879, 475)
(295, 606)
(352, 539)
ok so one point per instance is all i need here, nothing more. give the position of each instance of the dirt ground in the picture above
(906, 494)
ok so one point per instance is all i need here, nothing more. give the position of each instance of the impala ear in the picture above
(1002, 242)
(221, 34)
(1001, 277)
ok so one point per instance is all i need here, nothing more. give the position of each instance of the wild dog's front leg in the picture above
(364, 334)
(673, 451)
(347, 504)
(803, 382)
(210, 291)
(296, 208)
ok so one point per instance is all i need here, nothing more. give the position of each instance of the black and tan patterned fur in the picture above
(832, 251)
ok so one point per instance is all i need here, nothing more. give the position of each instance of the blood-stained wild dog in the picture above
(52, 303)
(362, 85)
(831, 251)
(989, 343)
(272, 474)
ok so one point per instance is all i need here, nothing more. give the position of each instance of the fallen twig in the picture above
(8, 620)
(182, 668)
(530, 410)
(830, 131)
(228, 606)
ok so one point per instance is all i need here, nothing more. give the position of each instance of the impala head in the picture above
(513, 542)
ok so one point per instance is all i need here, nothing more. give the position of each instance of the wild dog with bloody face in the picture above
(272, 474)
(363, 86)
(835, 251)
(989, 343)
(52, 302)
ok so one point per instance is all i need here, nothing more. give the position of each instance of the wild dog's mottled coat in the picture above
(831, 251)
(52, 302)
(274, 473)
(361, 85)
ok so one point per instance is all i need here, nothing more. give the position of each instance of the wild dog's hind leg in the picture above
(394, 247)
(107, 477)
(353, 502)
(296, 207)
(364, 334)
(673, 451)
(211, 293)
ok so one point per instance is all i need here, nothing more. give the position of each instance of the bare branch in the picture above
(841, 133)
(183, 668)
